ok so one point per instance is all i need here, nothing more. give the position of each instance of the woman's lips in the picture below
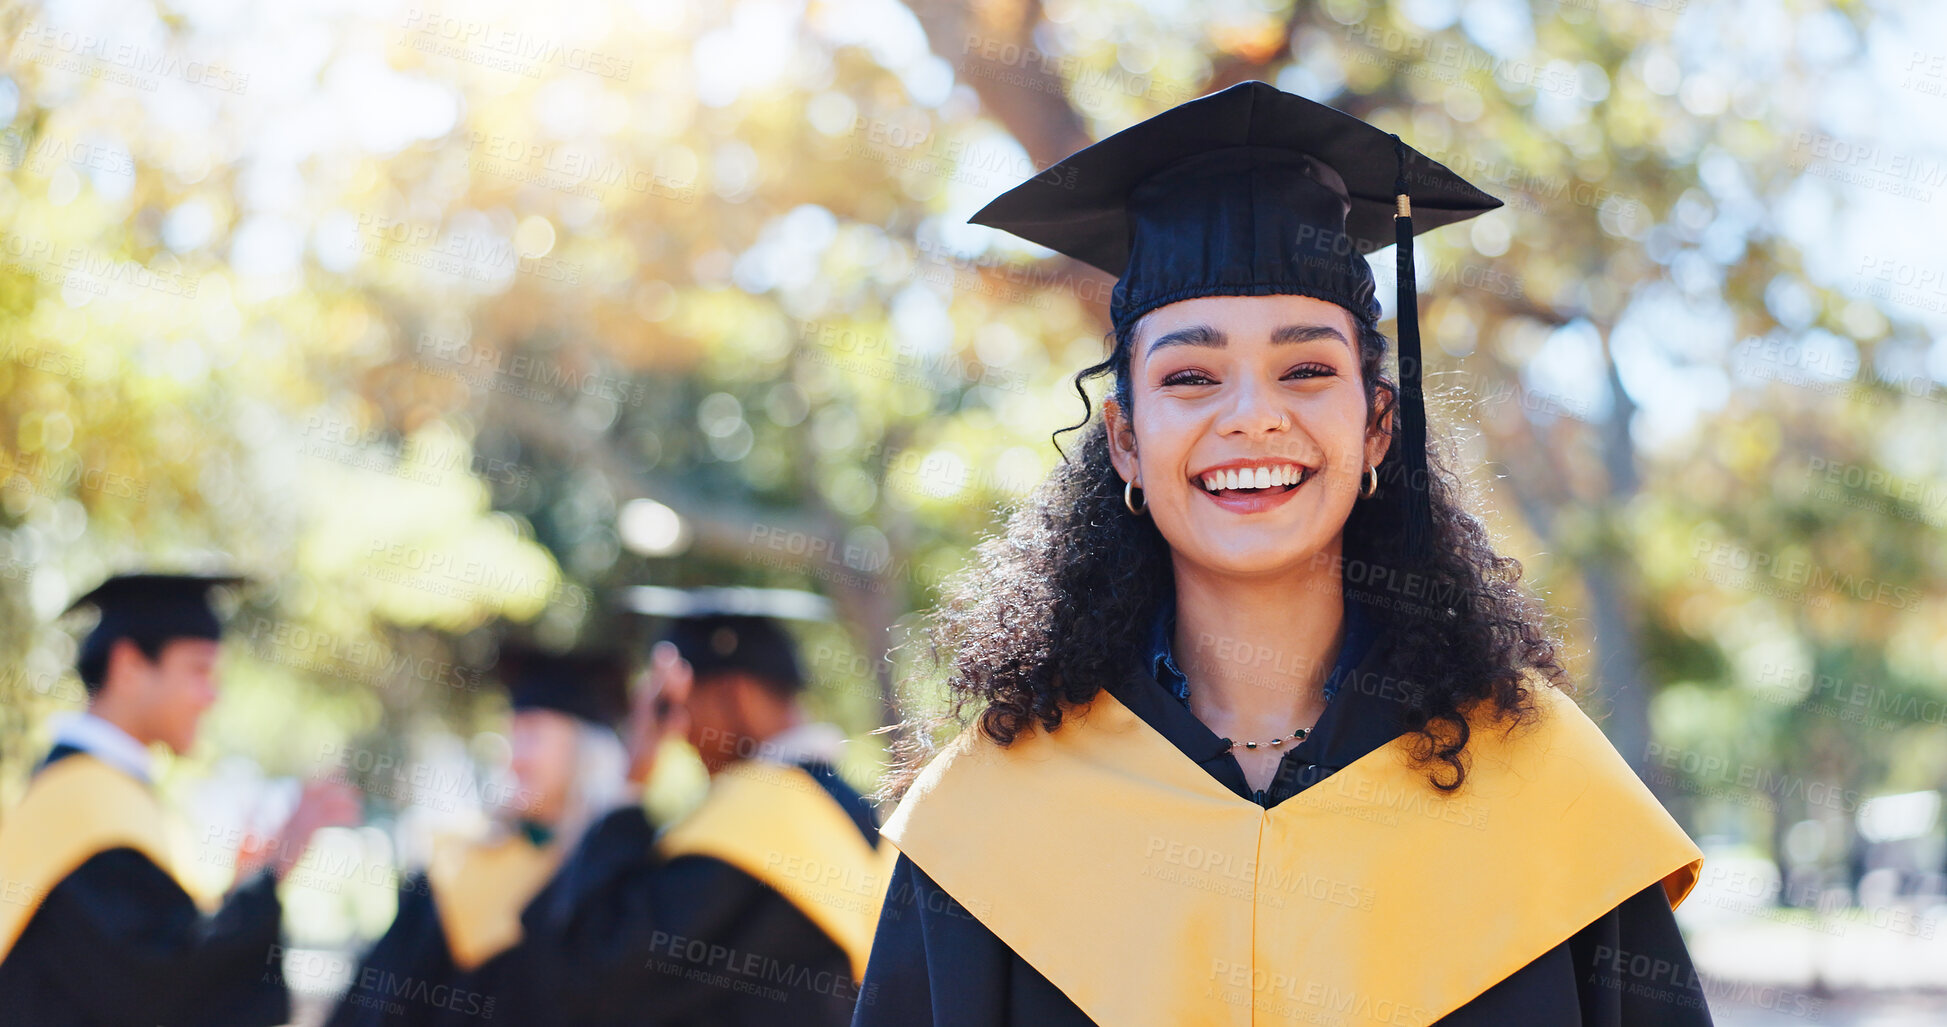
(1245, 501)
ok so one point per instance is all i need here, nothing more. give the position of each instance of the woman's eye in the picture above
(1313, 371)
(1187, 378)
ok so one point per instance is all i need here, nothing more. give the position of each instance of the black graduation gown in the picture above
(628, 938)
(408, 977)
(934, 962)
(118, 942)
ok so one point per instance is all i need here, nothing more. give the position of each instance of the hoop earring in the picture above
(1129, 501)
(1372, 481)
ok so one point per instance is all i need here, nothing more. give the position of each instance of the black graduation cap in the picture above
(1252, 191)
(591, 685)
(150, 609)
(734, 629)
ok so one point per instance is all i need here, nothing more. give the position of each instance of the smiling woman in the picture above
(1260, 716)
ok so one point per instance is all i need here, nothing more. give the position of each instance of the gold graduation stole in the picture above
(1150, 894)
(479, 890)
(73, 809)
(775, 822)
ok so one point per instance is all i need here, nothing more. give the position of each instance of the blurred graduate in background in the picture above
(454, 953)
(759, 906)
(95, 924)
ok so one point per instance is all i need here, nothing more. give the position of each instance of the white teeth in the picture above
(1253, 477)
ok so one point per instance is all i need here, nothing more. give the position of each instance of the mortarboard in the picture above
(150, 609)
(1253, 191)
(591, 685)
(783, 603)
(733, 629)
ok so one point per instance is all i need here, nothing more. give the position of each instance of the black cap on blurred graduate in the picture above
(593, 686)
(721, 630)
(150, 610)
(1253, 191)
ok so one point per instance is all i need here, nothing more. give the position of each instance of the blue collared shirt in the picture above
(1358, 638)
(107, 743)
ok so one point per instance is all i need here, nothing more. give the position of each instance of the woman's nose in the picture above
(1254, 407)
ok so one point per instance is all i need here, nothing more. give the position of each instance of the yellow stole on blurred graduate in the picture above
(480, 888)
(74, 809)
(774, 822)
(1150, 894)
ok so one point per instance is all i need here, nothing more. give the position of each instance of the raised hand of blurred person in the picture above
(323, 803)
(658, 709)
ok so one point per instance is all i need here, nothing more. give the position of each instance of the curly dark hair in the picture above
(1051, 608)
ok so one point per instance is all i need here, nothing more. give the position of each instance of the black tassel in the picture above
(1411, 422)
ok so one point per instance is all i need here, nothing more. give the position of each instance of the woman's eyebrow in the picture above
(1194, 335)
(1308, 333)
